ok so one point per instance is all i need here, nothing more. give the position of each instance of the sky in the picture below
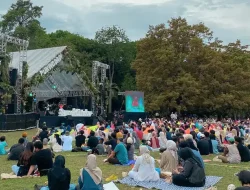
(228, 19)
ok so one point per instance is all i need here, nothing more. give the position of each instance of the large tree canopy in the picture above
(181, 67)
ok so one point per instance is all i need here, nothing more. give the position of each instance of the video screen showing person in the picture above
(134, 101)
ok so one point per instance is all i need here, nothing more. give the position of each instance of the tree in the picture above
(20, 14)
(181, 67)
(112, 38)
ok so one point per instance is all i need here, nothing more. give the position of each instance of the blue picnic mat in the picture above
(163, 185)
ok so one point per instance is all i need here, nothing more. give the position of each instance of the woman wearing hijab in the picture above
(56, 143)
(90, 176)
(162, 141)
(169, 158)
(136, 139)
(130, 148)
(59, 177)
(193, 175)
(154, 141)
(144, 168)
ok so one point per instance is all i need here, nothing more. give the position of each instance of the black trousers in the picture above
(113, 161)
(180, 180)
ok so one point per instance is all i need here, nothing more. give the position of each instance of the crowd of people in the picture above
(180, 143)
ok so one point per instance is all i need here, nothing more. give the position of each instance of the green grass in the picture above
(76, 161)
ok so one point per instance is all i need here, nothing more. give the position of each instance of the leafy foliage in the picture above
(181, 67)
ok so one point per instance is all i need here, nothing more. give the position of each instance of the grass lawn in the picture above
(76, 161)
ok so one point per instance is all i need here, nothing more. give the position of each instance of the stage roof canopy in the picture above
(58, 84)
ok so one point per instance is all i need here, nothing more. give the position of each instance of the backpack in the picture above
(198, 175)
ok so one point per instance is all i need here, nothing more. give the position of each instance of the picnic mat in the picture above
(163, 185)
(12, 176)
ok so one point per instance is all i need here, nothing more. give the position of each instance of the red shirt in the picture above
(139, 134)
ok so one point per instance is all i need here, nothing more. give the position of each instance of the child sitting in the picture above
(3, 144)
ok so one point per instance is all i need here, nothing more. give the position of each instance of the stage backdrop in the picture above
(134, 101)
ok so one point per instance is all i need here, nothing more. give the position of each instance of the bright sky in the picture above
(229, 19)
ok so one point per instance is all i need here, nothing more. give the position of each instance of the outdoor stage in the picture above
(56, 121)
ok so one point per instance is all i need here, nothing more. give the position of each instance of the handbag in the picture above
(198, 175)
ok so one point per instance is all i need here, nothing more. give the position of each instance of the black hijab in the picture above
(58, 170)
(58, 139)
(187, 154)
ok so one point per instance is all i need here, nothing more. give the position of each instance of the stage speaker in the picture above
(13, 77)
(69, 117)
(11, 109)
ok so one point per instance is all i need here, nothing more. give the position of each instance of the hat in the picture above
(119, 135)
(24, 134)
(129, 140)
(231, 139)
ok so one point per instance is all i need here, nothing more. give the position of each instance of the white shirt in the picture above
(143, 171)
(67, 143)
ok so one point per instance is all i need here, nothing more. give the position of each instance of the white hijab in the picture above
(172, 148)
(146, 158)
(163, 138)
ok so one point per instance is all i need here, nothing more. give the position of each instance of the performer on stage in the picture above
(135, 102)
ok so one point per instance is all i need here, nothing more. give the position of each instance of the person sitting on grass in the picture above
(231, 154)
(162, 141)
(130, 148)
(92, 142)
(3, 144)
(154, 141)
(243, 150)
(203, 145)
(80, 139)
(144, 168)
(67, 142)
(42, 158)
(193, 174)
(59, 177)
(169, 158)
(244, 178)
(215, 144)
(24, 162)
(24, 136)
(111, 143)
(56, 143)
(90, 176)
(119, 155)
(195, 151)
(44, 134)
(16, 150)
(99, 150)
